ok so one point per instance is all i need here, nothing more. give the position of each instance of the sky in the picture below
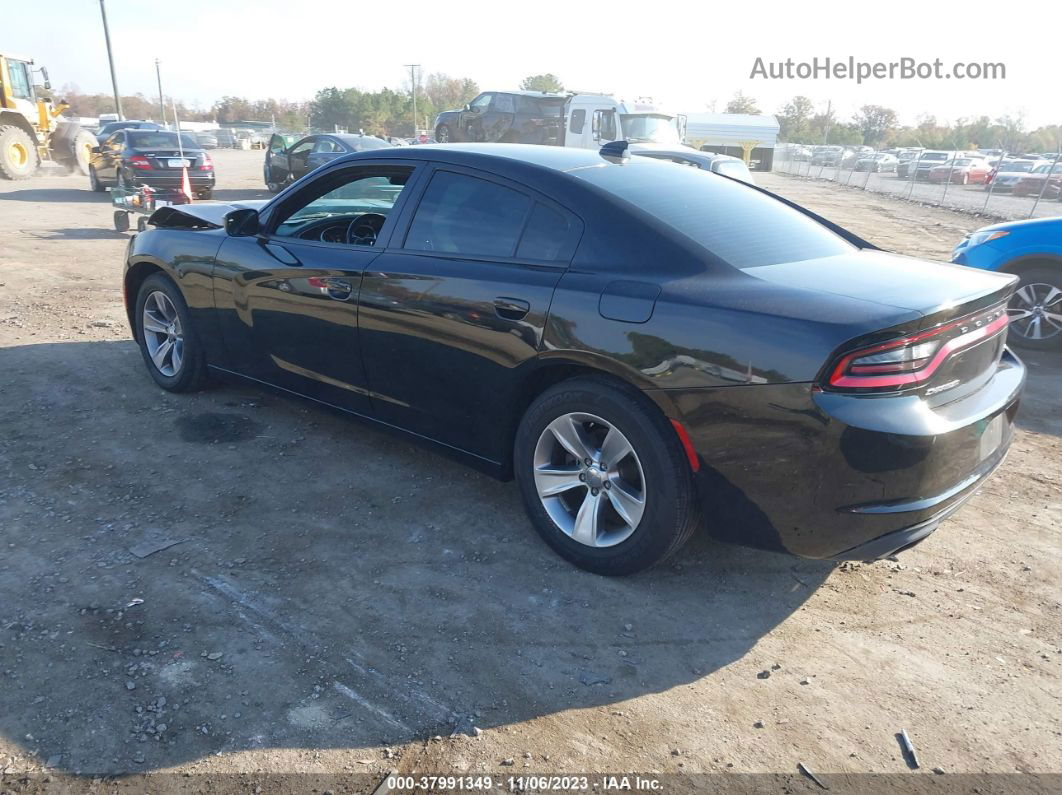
(686, 59)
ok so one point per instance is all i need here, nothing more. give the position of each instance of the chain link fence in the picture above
(1011, 186)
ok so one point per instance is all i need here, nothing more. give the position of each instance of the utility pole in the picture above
(110, 60)
(829, 120)
(413, 83)
(162, 102)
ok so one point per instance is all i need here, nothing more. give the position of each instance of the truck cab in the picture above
(592, 120)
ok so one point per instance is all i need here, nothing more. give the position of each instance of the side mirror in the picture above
(242, 222)
(468, 107)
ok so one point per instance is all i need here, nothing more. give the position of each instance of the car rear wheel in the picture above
(603, 477)
(168, 342)
(1036, 310)
(94, 181)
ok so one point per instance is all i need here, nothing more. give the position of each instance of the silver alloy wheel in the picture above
(163, 334)
(589, 479)
(1036, 311)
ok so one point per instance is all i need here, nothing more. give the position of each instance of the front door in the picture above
(471, 122)
(287, 299)
(453, 313)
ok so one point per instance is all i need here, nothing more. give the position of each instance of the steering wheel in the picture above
(364, 229)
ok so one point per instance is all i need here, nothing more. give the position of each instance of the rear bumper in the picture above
(165, 179)
(907, 537)
(836, 476)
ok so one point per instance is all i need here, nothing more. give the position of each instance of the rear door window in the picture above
(545, 235)
(464, 215)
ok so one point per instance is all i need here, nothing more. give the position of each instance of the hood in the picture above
(203, 215)
(1028, 225)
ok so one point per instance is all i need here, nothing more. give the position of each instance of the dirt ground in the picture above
(336, 602)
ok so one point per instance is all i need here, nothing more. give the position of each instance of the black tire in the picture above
(1044, 276)
(78, 152)
(141, 223)
(18, 153)
(442, 134)
(192, 374)
(671, 511)
(121, 221)
(206, 194)
(94, 181)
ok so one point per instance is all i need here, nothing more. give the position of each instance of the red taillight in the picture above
(207, 164)
(139, 161)
(910, 361)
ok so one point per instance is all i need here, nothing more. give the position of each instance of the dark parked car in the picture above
(108, 129)
(286, 161)
(644, 347)
(526, 117)
(131, 158)
(726, 165)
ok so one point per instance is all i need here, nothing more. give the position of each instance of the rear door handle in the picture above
(339, 289)
(511, 308)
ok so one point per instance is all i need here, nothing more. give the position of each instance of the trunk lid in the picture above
(959, 307)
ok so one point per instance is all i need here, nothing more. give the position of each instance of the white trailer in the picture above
(734, 134)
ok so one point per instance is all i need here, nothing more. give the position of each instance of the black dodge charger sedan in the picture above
(644, 347)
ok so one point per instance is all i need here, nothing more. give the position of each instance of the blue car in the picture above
(1033, 251)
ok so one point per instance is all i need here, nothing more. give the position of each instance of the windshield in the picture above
(1021, 166)
(934, 156)
(732, 221)
(649, 129)
(160, 140)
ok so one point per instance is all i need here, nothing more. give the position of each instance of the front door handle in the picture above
(511, 308)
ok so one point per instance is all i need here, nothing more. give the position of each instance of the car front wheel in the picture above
(168, 342)
(1036, 310)
(603, 477)
(442, 134)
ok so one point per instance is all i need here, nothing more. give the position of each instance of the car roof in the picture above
(348, 138)
(553, 158)
(525, 93)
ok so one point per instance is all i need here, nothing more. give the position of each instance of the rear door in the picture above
(324, 150)
(454, 311)
(287, 299)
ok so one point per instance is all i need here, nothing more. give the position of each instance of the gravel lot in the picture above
(338, 602)
(965, 198)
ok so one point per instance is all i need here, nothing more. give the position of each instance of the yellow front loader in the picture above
(31, 128)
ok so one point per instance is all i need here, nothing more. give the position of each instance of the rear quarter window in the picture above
(736, 223)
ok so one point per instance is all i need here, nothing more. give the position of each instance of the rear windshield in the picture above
(160, 140)
(738, 224)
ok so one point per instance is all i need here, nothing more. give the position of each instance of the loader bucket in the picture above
(71, 146)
